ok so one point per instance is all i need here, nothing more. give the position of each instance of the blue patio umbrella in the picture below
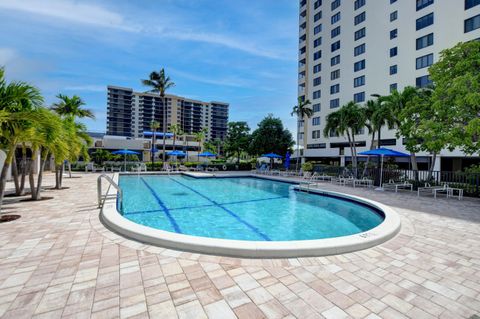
(176, 153)
(382, 152)
(287, 161)
(272, 155)
(207, 154)
(125, 153)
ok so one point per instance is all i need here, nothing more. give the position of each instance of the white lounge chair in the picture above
(397, 185)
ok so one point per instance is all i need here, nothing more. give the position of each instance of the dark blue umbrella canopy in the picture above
(125, 152)
(207, 154)
(176, 153)
(271, 155)
(287, 160)
(382, 151)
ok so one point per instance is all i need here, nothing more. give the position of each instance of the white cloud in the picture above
(96, 15)
(87, 88)
(72, 11)
(6, 55)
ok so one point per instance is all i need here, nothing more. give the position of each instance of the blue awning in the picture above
(382, 151)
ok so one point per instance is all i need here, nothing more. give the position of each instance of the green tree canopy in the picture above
(456, 95)
(238, 138)
(271, 136)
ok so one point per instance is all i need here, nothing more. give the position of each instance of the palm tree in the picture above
(154, 125)
(395, 103)
(160, 83)
(69, 109)
(302, 111)
(17, 101)
(199, 137)
(348, 120)
(177, 131)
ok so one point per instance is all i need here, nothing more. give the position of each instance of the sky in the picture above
(243, 52)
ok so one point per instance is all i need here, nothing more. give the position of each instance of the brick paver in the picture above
(59, 261)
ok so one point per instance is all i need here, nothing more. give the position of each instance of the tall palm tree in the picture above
(200, 137)
(160, 83)
(154, 125)
(69, 109)
(395, 103)
(302, 111)
(17, 101)
(177, 131)
(347, 121)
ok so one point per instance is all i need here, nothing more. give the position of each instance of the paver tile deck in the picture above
(59, 260)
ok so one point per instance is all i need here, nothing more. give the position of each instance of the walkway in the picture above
(59, 261)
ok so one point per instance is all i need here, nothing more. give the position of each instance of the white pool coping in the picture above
(255, 249)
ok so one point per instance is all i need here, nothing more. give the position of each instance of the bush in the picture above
(307, 167)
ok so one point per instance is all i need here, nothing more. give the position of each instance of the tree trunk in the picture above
(430, 169)
(16, 182)
(60, 178)
(153, 149)
(69, 169)
(24, 167)
(164, 126)
(31, 177)
(3, 175)
(38, 194)
(354, 155)
(298, 147)
(174, 140)
(413, 160)
(368, 157)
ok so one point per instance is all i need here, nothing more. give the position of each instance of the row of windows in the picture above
(335, 32)
(334, 89)
(471, 3)
(424, 41)
(335, 4)
(316, 120)
(424, 21)
(359, 34)
(358, 4)
(335, 18)
(424, 61)
(423, 4)
(359, 81)
(472, 23)
(359, 18)
(335, 60)
(316, 133)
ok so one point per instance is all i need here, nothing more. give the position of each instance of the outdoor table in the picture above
(450, 192)
(363, 182)
(399, 186)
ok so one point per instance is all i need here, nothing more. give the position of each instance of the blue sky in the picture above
(239, 51)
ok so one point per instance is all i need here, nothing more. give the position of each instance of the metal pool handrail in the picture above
(99, 190)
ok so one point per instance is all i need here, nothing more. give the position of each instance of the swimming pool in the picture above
(250, 216)
(241, 209)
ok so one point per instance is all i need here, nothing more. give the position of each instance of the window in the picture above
(335, 60)
(335, 46)
(335, 18)
(334, 103)
(335, 74)
(359, 4)
(424, 21)
(317, 16)
(471, 3)
(393, 34)
(360, 131)
(393, 1)
(472, 23)
(317, 94)
(317, 42)
(359, 81)
(423, 4)
(393, 51)
(359, 18)
(316, 120)
(335, 32)
(317, 4)
(335, 4)
(317, 81)
(359, 97)
(317, 29)
(393, 69)
(334, 89)
(393, 16)
(423, 81)
(316, 107)
(393, 87)
(425, 41)
(424, 61)
(300, 135)
(359, 34)
(317, 133)
(317, 68)
(359, 49)
(360, 65)
(317, 55)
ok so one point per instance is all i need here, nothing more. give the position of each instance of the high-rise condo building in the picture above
(130, 113)
(350, 50)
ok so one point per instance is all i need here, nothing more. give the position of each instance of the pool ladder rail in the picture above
(102, 198)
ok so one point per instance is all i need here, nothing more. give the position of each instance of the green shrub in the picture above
(307, 167)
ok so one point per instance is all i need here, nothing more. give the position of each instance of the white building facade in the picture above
(352, 49)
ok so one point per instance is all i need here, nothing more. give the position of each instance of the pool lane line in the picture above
(208, 205)
(253, 228)
(164, 208)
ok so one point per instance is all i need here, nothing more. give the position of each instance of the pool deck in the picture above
(58, 261)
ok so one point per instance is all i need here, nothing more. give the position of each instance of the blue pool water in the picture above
(240, 208)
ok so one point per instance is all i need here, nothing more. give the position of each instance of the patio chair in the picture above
(94, 168)
(397, 185)
(432, 189)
